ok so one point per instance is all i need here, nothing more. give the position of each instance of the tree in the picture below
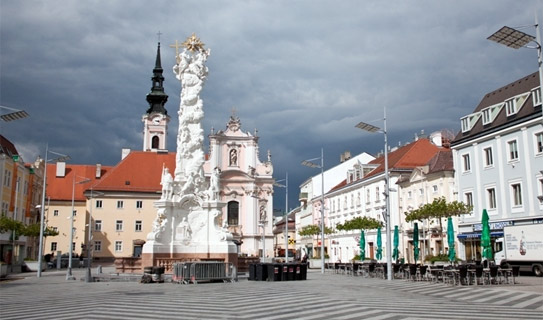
(313, 229)
(9, 224)
(33, 230)
(438, 209)
(360, 223)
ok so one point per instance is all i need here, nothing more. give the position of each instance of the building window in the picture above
(97, 225)
(118, 246)
(465, 124)
(53, 246)
(409, 195)
(55, 213)
(139, 204)
(466, 163)
(74, 213)
(510, 107)
(98, 204)
(368, 196)
(421, 192)
(489, 160)
(486, 116)
(119, 225)
(516, 192)
(513, 150)
(536, 95)
(233, 213)
(98, 246)
(468, 198)
(120, 204)
(377, 194)
(55, 229)
(434, 188)
(7, 178)
(539, 143)
(138, 226)
(491, 198)
(540, 197)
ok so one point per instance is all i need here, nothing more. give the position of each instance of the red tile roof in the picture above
(7, 147)
(60, 188)
(408, 157)
(413, 155)
(139, 171)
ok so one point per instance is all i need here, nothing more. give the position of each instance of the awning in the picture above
(475, 235)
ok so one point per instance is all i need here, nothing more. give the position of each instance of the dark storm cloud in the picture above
(301, 72)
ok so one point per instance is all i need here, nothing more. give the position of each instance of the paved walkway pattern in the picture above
(328, 296)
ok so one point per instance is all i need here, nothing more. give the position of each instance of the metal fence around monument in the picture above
(204, 271)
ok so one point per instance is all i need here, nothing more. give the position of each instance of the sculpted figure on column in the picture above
(192, 72)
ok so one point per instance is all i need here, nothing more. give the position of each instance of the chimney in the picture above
(124, 153)
(345, 156)
(61, 169)
(98, 171)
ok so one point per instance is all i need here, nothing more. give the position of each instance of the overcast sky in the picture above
(303, 73)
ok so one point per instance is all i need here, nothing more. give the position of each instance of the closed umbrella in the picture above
(396, 253)
(362, 245)
(485, 237)
(416, 241)
(450, 239)
(379, 244)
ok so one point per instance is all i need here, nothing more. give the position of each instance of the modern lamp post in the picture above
(277, 184)
(370, 128)
(516, 39)
(310, 164)
(15, 114)
(61, 157)
(69, 275)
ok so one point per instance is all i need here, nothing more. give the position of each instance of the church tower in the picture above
(156, 119)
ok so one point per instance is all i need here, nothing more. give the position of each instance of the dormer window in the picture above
(536, 96)
(510, 107)
(469, 121)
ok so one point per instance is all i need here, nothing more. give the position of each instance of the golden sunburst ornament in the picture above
(193, 43)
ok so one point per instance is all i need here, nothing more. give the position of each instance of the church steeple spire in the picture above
(157, 98)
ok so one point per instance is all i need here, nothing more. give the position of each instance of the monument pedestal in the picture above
(197, 237)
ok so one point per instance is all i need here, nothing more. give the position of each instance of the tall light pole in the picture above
(62, 157)
(15, 114)
(370, 128)
(514, 38)
(286, 211)
(310, 164)
(69, 275)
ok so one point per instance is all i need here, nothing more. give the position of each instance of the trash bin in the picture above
(284, 272)
(158, 273)
(298, 270)
(291, 271)
(303, 271)
(252, 271)
(274, 271)
(261, 272)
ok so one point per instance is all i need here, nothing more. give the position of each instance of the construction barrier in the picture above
(278, 271)
(194, 272)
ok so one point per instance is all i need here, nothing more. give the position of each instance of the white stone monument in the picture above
(187, 226)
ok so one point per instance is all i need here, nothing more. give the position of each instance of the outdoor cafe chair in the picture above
(491, 275)
(462, 275)
(421, 275)
(412, 272)
(477, 274)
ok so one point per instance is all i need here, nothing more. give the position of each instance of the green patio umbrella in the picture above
(416, 241)
(450, 239)
(379, 254)
(485, 237)
(362, 244)
(396, 253)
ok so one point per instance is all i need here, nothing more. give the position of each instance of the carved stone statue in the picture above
(214, 184)
(233, 157)
(167, 184)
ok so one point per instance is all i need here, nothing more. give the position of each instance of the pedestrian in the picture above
(81, 265)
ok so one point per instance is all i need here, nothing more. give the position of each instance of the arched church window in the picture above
(233, 213)
(154, 142)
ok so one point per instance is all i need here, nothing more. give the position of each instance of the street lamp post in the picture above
(514, 38)
(62, 157)
(15, 114)
(371, 128)
(69, 275)
(310, 164)
(286, 211)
